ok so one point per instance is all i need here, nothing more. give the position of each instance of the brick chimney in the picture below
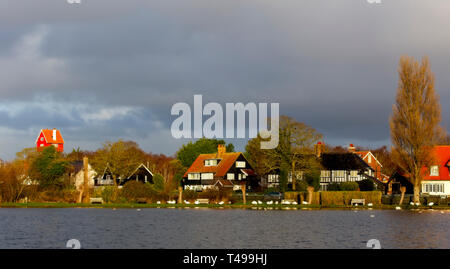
(54, 134)
(221, 150)
(351, 148)
(318, 149)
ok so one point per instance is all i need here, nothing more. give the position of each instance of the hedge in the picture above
(327, 198)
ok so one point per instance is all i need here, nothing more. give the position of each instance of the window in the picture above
(434, 170)
(212, 162)
(207, 176)
(272, 178)
(325, 173)
(194, 176)
(240, 164)
(370, 158)
(42, 139)
(433, 187)
(354, 173)
(239, 176)
(42, 145)
(230, 176)
(340, 173)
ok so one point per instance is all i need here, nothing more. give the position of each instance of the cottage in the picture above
(436, 180)
(436, 177)
(372, 161)
(220, 169)
(48, 137)
(142, 174)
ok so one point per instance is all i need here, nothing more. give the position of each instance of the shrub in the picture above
(313, 179)
(108, 194)
(133, 190)
(333, 187)
(348, 186)
(190, 195)
(366, 185)
(301, 185)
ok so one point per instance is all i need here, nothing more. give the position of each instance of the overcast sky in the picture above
(109, 69)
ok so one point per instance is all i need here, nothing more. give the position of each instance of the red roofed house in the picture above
(222, 169)
(436, 179)
(50, 138)
(372, 161)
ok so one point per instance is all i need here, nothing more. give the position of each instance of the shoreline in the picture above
(217, 206)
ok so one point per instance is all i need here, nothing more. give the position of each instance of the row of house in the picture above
(231, 170)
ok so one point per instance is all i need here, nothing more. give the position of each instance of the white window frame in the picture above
(207, 175)
(240, 164)
(230, 176)
(434, 170)
(194, 176)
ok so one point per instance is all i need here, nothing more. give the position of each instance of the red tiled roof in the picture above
(220, 170)
(48, 134)
(441, 158)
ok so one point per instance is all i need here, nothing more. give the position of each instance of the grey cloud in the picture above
(331, 64)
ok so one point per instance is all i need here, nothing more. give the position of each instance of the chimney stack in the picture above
(221, 150)
(318, 148)
(351, 148)
(54, 134)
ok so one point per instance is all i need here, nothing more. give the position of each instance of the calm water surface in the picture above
(228, 228)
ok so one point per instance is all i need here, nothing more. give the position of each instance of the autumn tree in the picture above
(121, 158)
(294, 154)
(415, 119)
(259, 159)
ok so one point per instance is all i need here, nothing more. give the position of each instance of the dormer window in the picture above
(211, 162)
(434, 170)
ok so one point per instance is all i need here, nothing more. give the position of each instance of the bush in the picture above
(133, 190)
(189, 195)
(313, 179)
(108, 194)
(215, 195)
(366, 185)
(301, 185)
(349, 186)
(333, 187)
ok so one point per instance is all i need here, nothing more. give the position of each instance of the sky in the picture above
(105, 70)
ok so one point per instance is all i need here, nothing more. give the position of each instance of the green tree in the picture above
(48, 168)
(189, 152)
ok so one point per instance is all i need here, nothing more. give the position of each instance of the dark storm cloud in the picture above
(331, 64)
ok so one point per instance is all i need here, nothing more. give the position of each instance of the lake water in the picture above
(226, 228)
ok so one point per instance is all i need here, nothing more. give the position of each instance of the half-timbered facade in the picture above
(343, 167)
(219, 169)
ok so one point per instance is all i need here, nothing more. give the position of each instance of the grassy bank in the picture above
(242, 206)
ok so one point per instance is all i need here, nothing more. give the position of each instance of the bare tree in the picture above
(415, 119)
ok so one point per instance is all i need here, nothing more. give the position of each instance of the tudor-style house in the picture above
(220, 170)
(50, 138)
(343, 167)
